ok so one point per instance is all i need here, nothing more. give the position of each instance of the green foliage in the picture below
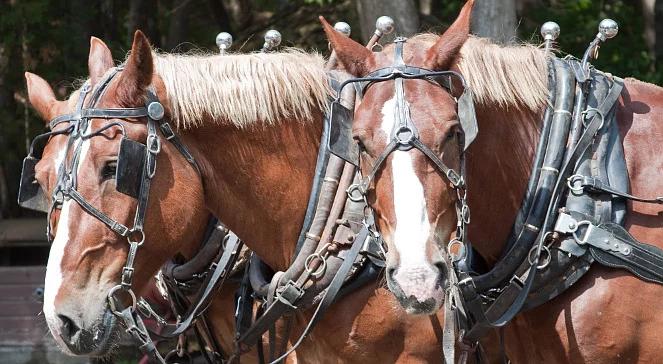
(625, 55)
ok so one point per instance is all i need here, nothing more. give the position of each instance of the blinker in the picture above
(130, 166)
(341, 142)
(30, 194)
(467, 117)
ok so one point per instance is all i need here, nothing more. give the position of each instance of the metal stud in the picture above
(550, 31)
(155, 110)
(343, 28)
(272, 40)
(224, 41)
(608, 29)
(384, 25)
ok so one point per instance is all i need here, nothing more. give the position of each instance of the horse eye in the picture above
(108, 172)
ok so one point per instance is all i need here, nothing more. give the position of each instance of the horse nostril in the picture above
(441, 266)
(69, 328)
(442, 272)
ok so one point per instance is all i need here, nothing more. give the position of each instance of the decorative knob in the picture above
(608, 29)
(550, 31)
(224, 41)
(272, 40)
(343, 28)
(384, 25)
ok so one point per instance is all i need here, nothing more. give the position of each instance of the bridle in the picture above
(66, 185)
(404, 135)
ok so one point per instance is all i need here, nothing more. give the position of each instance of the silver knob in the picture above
(550, 31)
(608, 29)
(384, 25)
(272, 40)
(343, 28)
(224, 41)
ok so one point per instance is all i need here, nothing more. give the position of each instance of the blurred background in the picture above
(51, 38)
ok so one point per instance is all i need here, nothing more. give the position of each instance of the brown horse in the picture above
(609, 315)
(253, 123)
(45, 102)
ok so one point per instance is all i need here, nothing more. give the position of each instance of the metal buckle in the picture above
(153, 144)
(290, 293)
(167, 131)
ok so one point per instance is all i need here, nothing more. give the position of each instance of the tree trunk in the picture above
(658, 31)
(495, 20)
(649, 24)
(179, 24)
(404, 13)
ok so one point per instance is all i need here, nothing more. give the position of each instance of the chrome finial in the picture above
(550, 31)
(224, 41)
(343, 28)
(272, 40)
(608, 29)
(384, 25)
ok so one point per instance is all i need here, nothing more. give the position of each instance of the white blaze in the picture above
(54, 266)
(412, 225)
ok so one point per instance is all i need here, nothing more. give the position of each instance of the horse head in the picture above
(78, 171)
(411, 148)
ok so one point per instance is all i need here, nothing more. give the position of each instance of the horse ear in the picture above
(441, 55)
(137, 73)
(41, 96)
(352, 56)
(100, 60)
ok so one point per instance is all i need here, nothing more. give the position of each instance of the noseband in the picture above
(405, 136)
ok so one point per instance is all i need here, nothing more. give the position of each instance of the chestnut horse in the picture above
(44, 101)
(609, 315)
(253, 123)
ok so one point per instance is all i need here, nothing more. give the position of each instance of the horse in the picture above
(43, 100)
(609, 315)
(253, 124)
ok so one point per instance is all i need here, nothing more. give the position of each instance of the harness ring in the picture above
(111, 299)
(321, 269)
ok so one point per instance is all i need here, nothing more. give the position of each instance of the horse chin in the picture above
(98, 341)
(415, 306)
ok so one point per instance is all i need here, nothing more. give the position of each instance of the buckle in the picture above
(153, 144)
(290, 293)
(167, 130)
(127, 277)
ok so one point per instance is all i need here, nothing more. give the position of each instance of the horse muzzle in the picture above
(419, 290)
(77, 337)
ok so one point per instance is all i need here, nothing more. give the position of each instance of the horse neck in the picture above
(257, 181)
(498, 167)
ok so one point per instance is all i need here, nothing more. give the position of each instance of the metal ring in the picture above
(574, 232)
(465, 213)
(461, 249)
(546, 261)
(571, 181)
(355, 193)
(401, 131)
(138, 242)
(321, 269)
(111, 299)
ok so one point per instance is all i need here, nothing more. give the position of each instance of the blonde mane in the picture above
(243, 89)
(515, 75)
